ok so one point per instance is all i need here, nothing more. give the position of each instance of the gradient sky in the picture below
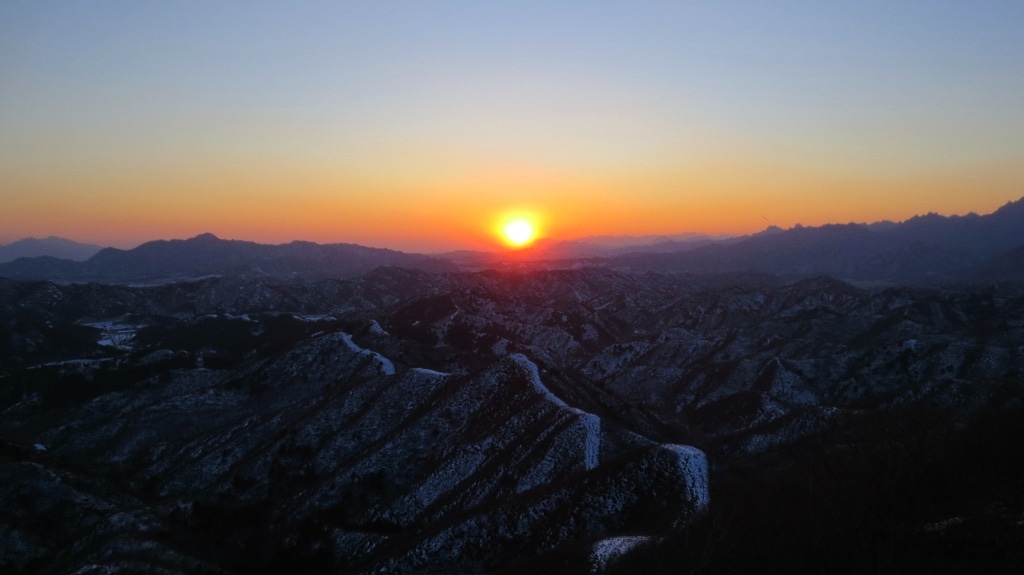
(421, 125)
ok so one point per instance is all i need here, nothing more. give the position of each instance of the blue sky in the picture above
(415, 125)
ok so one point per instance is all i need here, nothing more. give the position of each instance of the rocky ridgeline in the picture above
(502, 420)
(325, 457)
(737, 363)
(736, 369)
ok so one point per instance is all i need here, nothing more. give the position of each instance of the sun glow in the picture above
(518, 232)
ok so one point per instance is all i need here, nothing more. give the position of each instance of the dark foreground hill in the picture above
(584, 421)
(325, 458)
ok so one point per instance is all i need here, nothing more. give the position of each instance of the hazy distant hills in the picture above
(207, 254)
(610, 246)
(592, 247)
(923, 247)
(926, 248)
(1007, 267)
(52, 246)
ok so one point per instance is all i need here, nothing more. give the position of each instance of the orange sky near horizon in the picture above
(465, 212)
(421, 128)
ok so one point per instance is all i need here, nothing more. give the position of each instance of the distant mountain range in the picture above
(51, 246)
(929, 248)
(206, 255)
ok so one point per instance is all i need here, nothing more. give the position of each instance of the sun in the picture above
(518, 232)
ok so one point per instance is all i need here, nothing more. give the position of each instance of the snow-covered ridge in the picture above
(693, 464)
(382, 364)
(607, 551)
(464, 466)
(533, 378)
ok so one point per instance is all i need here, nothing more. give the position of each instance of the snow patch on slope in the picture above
(693, 464)
(383, 365)
(588, 424)
(533, 378)
(608, 550)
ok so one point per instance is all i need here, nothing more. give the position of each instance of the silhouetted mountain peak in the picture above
(206, 254)
(925, 248)
(1011, 209)
(51, 246)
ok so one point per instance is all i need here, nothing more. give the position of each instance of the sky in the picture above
(424, 126)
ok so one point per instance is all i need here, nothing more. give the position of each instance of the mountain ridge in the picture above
(51, 246)
(206, 254)
(481, 422)
(927, 248)
(923, 248)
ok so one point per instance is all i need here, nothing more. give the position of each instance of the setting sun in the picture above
(518, 232)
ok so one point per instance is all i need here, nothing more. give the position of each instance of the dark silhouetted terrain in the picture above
(306, 409)
(204, 255)
(544, 421)
(52, 247)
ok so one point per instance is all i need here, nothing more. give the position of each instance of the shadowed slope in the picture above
(366, 467)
